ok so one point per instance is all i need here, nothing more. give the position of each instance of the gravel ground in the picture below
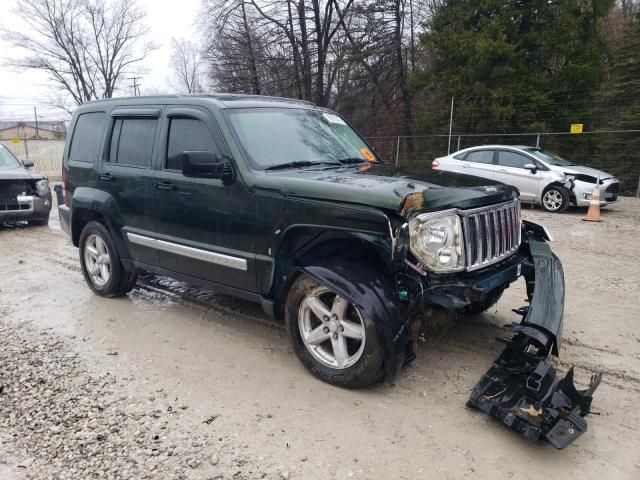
(172, 382)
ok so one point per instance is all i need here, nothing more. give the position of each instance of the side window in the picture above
(87, 136)
(512, 159)
(480, 156)
(187, 134)
(132, 141)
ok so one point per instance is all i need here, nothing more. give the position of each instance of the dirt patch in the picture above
(222, 358)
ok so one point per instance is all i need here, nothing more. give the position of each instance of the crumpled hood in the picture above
(385, 186)
(585, 170)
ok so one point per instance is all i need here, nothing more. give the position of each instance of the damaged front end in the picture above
(521, 389)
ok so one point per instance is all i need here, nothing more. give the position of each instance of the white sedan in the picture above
(541, 176)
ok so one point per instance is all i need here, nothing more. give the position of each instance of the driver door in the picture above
(206, 227)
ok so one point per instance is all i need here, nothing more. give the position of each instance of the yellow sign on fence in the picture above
(576, 127)
(15, 139)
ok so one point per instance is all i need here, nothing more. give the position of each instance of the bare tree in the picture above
(234, 50)
(353, 55)
(187, 66)
(85, 46)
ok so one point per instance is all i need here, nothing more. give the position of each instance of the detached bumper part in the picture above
(521, 389)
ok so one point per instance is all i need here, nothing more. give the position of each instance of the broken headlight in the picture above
(42, 187)
(436, 240)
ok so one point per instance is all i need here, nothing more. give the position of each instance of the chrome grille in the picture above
(491, 234)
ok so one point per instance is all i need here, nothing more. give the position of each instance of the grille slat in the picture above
(491, 234)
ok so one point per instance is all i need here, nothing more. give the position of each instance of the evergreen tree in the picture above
(620, 99)
(523, 65)
(619, 109)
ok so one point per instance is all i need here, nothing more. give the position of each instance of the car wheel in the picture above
(334, 340)
(555, 199)
(100, 262)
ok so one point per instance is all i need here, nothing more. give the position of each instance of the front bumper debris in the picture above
(521, 389)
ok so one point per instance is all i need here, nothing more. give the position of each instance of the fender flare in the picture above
(98, 204)
(373, 293)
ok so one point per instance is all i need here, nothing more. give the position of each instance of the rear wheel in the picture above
(101, 266)
(332, 338)
(555, 199)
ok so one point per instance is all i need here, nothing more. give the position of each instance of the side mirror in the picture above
(531, 166)
(201, 165)
(27, 163)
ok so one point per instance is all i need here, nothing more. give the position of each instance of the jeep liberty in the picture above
(281, 202)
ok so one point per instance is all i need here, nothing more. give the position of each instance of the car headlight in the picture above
(42, 186)
(436, 240)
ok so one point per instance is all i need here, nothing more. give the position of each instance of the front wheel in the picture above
(100, 262)
(331, 337)
(555, 199)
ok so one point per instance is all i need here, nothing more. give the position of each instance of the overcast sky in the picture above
(20, 91)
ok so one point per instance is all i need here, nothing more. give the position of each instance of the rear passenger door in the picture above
(479, 163)
(206, 227)
(510, 170)
(127, 174)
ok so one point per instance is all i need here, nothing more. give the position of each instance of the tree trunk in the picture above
(252, 58)
(304, 45)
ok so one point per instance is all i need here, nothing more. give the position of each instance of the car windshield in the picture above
(549, 157)
(7, 160)
(297, 138)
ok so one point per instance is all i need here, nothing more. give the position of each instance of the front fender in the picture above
(374, 294)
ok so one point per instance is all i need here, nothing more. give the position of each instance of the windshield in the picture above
(549, 157)
(277, 136)
(7, 160)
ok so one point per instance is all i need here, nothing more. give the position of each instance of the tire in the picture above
(363, 363)
(110, 279)
(555, 199)
(480, 307)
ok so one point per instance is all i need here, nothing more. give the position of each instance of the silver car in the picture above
(542, 177)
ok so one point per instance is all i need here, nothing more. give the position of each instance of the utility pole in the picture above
(35, 115)
(450, 126)
(135, 85)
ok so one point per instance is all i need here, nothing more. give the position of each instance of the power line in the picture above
(135, 85)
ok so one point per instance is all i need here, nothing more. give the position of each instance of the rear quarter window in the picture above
(87, 137)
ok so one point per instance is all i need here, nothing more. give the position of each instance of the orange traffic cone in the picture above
(593, 214)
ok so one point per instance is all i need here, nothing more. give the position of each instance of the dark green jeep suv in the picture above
(281, 202)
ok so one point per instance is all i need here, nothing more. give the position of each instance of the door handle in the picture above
(107, 177)
(466, 165)
(501, 170)
(165, 186)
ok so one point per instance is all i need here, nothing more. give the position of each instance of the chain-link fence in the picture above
(45, 154)
(600, 150)
(605, 150)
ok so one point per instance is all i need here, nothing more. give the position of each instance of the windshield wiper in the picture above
(348, 160)
(297, 164)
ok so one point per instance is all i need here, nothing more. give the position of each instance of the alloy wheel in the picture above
(552, 200)
(97, 260)
(331, 328)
